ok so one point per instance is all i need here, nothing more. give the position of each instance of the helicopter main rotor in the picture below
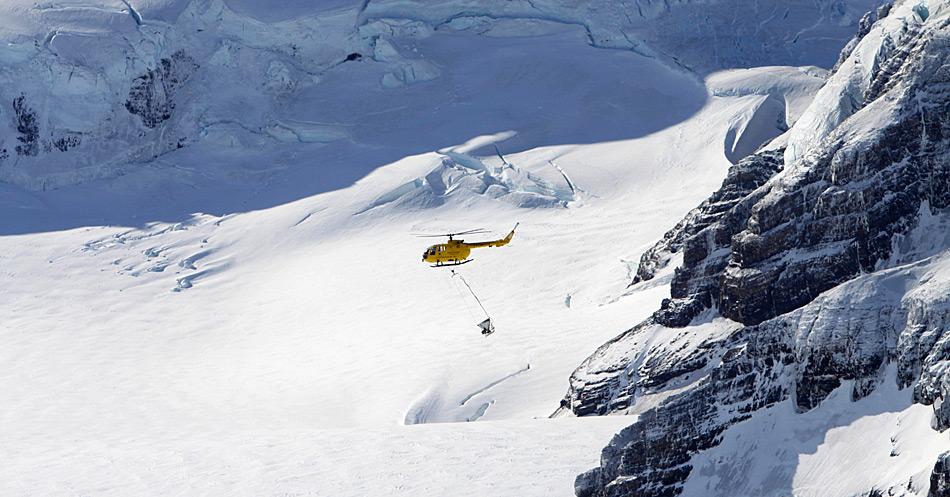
(450, 235)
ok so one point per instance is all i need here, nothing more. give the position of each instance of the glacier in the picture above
(210, 286)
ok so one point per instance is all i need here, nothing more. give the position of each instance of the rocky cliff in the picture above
(831, 273)
(940, 477)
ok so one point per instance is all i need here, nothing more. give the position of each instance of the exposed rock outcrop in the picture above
(850, 334)
(651, 458)
(837, 212)
(940, 477)
(742, 178)
(830, 218)
(864, 27)
(152, 95)
(27, 126)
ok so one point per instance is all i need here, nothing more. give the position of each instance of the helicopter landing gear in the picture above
(453, 263)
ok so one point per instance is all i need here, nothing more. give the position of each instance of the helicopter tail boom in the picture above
(494, 243)
(511, 234)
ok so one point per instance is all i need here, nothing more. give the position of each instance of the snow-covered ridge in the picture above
(703, 36)
(106, 85)
(458, 172)
(849, 88)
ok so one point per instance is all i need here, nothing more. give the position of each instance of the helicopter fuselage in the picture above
(454, 252)
(451, 252)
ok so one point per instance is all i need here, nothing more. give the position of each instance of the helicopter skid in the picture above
(450, 264)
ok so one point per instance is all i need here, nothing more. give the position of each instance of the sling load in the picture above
(455, 253)
(486, 326)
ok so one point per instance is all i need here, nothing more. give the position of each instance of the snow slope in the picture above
(247, 312)
(328, 270)
(515, 457)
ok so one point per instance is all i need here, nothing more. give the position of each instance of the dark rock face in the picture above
(864, 27)
(631, 364)
(940, 477)
(838, 217)
(800, 263)
(742, 178)
(651, 458)
(67, 141)
(27, 126)
(800, 357)
(778, 247)
(696, 284)
(587, 484)
(151, 96)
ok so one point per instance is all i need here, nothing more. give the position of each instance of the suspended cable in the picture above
(486, 326)
(468, 307)
(473, 293)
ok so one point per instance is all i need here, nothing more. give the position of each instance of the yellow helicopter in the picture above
(455, 252)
